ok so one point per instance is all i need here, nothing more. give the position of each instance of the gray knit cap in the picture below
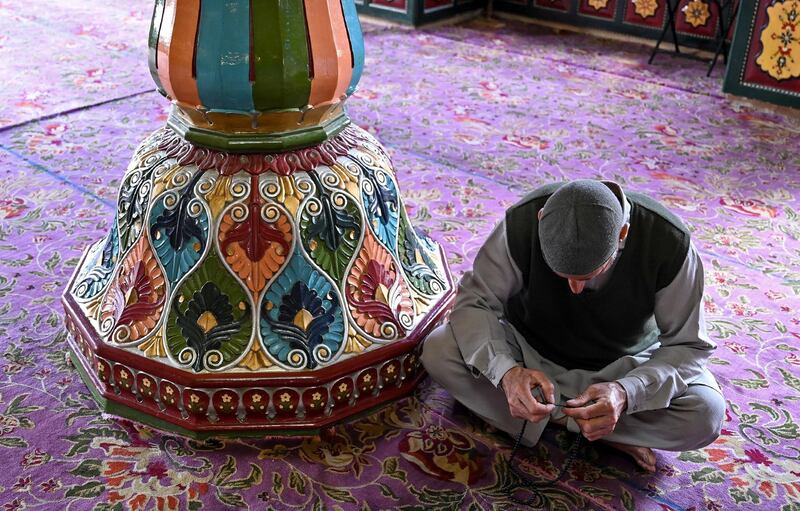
(580, 226)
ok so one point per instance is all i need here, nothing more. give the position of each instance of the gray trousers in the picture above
(692, 420)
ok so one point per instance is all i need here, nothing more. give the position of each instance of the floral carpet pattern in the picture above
(473, 115)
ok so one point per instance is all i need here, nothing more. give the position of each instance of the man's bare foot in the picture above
(643, 456)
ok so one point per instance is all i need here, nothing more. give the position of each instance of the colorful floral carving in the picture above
(330, 226)
(302, 323)
(780, 57)
(134, 303)
(255, 239)
(179, 229)
(98, 267)
(210, 322)
(376, 293)
(598, 4)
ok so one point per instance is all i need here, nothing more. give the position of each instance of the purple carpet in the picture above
(473, 117)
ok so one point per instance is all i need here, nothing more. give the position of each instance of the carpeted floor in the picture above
(473, 118)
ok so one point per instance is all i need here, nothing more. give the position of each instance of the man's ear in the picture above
(540, 213)
(623, 233)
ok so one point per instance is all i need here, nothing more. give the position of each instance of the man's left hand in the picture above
(598, 419)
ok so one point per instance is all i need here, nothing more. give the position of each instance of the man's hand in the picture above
(518, 384)
(598, 419)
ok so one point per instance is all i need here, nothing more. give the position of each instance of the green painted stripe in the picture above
(152, 42)
(280, 53)
(356, 42)
(223, 55)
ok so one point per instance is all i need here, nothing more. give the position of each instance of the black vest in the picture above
(594, 328)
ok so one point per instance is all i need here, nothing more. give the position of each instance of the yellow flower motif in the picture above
(367, 378)
(169, 390)
(390, 370)
(123, 374)
(194, 398)
(285, 397)
(256, 398)
(645, 8)
(147, 383)
(342, 388)
(316, 396)
(226, 398)
(598, 4)
(100, 367)
(696, 13)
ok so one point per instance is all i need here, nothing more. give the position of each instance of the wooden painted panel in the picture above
(769, 64)
(395, 5)
(648, 13)
(598, 8)
(558, 5)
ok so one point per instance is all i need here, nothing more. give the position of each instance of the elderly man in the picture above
(585, 308)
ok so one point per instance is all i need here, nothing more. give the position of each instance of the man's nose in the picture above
(576, 286)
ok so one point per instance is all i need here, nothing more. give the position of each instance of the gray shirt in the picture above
(478, 321)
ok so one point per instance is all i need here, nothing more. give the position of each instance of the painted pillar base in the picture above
(255, 294)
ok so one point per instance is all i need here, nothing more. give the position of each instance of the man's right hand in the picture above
(518, 384)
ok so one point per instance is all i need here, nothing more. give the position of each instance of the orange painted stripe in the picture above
(342, 42)
(330, 50)
(181, 55)
(164, 44)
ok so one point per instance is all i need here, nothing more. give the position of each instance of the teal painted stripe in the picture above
(280, 54)
(223, 55)
(152, 42)
(356, 42)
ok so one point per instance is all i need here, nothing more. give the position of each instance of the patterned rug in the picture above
(474, 116)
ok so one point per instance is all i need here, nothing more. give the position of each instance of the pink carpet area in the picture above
(473, 116)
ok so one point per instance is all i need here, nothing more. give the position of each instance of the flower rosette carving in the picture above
(98, 267)
(598, 4)
(302, 321)
(780, 39)
(255, 238)
(210, 323)
(696, 13)
(179, 225)
(133, 305)
(645, 8)
(377, 296)
(330, 224)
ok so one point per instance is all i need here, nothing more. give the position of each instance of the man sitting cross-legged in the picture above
(595, 298)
